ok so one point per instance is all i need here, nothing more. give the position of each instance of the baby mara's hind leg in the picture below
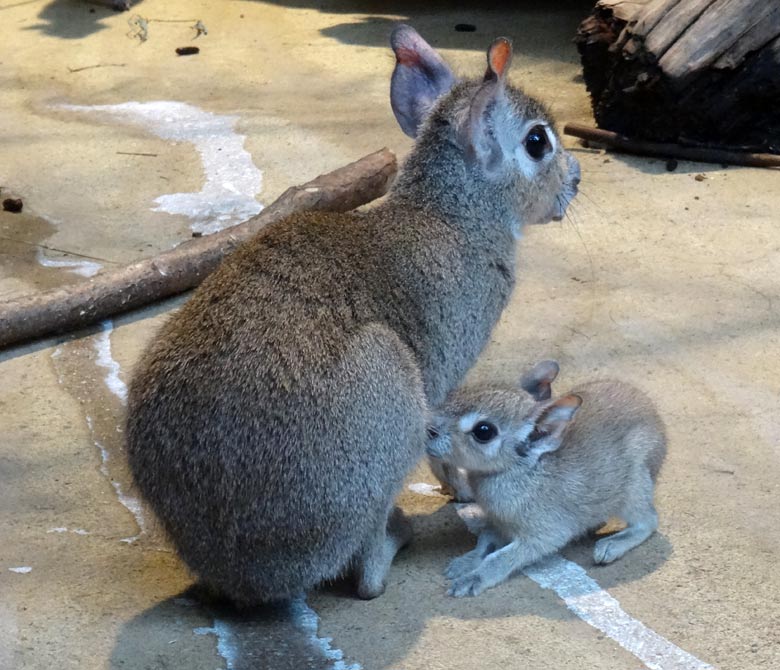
(393, 533)
(641, 517)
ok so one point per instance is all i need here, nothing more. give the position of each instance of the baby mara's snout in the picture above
(437, 445)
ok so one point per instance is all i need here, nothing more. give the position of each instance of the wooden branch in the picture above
(173, 272)
(664, 150)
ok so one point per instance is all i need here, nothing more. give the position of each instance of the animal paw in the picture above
(462, 565)
(468, 585)
(367, 591)
(607, 550)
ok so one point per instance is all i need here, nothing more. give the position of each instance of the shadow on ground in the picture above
(75, 19)
(286, 636)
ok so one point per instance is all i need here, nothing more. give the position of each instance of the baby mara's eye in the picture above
(537, 143)
(484, 432)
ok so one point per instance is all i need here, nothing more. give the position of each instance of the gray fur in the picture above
(273, 419)
(555, 470)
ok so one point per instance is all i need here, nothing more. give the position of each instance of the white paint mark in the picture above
(83, 267)
(232, 179)
(426, 489)
(130, 503)
(307, 620)
(105, 360)
(585, 598)
(596, 607)
(226, 644)
(118, 387)
(21, 570)
(76, 531)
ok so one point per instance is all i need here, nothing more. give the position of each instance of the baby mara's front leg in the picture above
(487, 542)
(499, 565)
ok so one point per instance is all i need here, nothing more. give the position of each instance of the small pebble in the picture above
(187, 51)
(465, 28)
(671, 165)
(13, 205)
(700, 177)
(197, 233)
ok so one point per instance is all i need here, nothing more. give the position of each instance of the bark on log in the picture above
(173, 272)
(695, 72)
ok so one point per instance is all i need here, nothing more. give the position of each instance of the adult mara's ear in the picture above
(538, 381)
(476, 138)
(420, 77)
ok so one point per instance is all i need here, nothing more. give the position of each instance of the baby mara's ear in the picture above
(420, 77)
(538, 381)
(543, 432)
(475, 135)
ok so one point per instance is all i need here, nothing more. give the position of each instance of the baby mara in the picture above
(548, 471)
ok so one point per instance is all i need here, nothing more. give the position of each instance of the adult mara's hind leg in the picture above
(373, 563)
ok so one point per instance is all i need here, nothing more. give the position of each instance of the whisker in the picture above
(591, 264)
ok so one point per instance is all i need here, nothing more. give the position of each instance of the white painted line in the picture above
(596, 607)
(226, 645)
(232, 179)
(83, 268)
(130, 503)
(22, 570)
(426, 489)
(105, 360)
(585, 598)
(76, 531)
(307, 620)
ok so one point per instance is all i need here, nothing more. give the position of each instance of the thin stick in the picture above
(643, 148)
(92, 67)
(173, 272)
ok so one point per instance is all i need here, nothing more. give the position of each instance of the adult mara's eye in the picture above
(484, 431)
(536, 143)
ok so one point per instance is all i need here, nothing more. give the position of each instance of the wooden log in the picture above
(690, 72)
(659, 150)
(173, 272)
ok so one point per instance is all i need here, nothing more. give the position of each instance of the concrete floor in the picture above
(658, 278)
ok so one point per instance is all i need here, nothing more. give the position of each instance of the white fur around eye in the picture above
(527, 165)
(468, 421)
